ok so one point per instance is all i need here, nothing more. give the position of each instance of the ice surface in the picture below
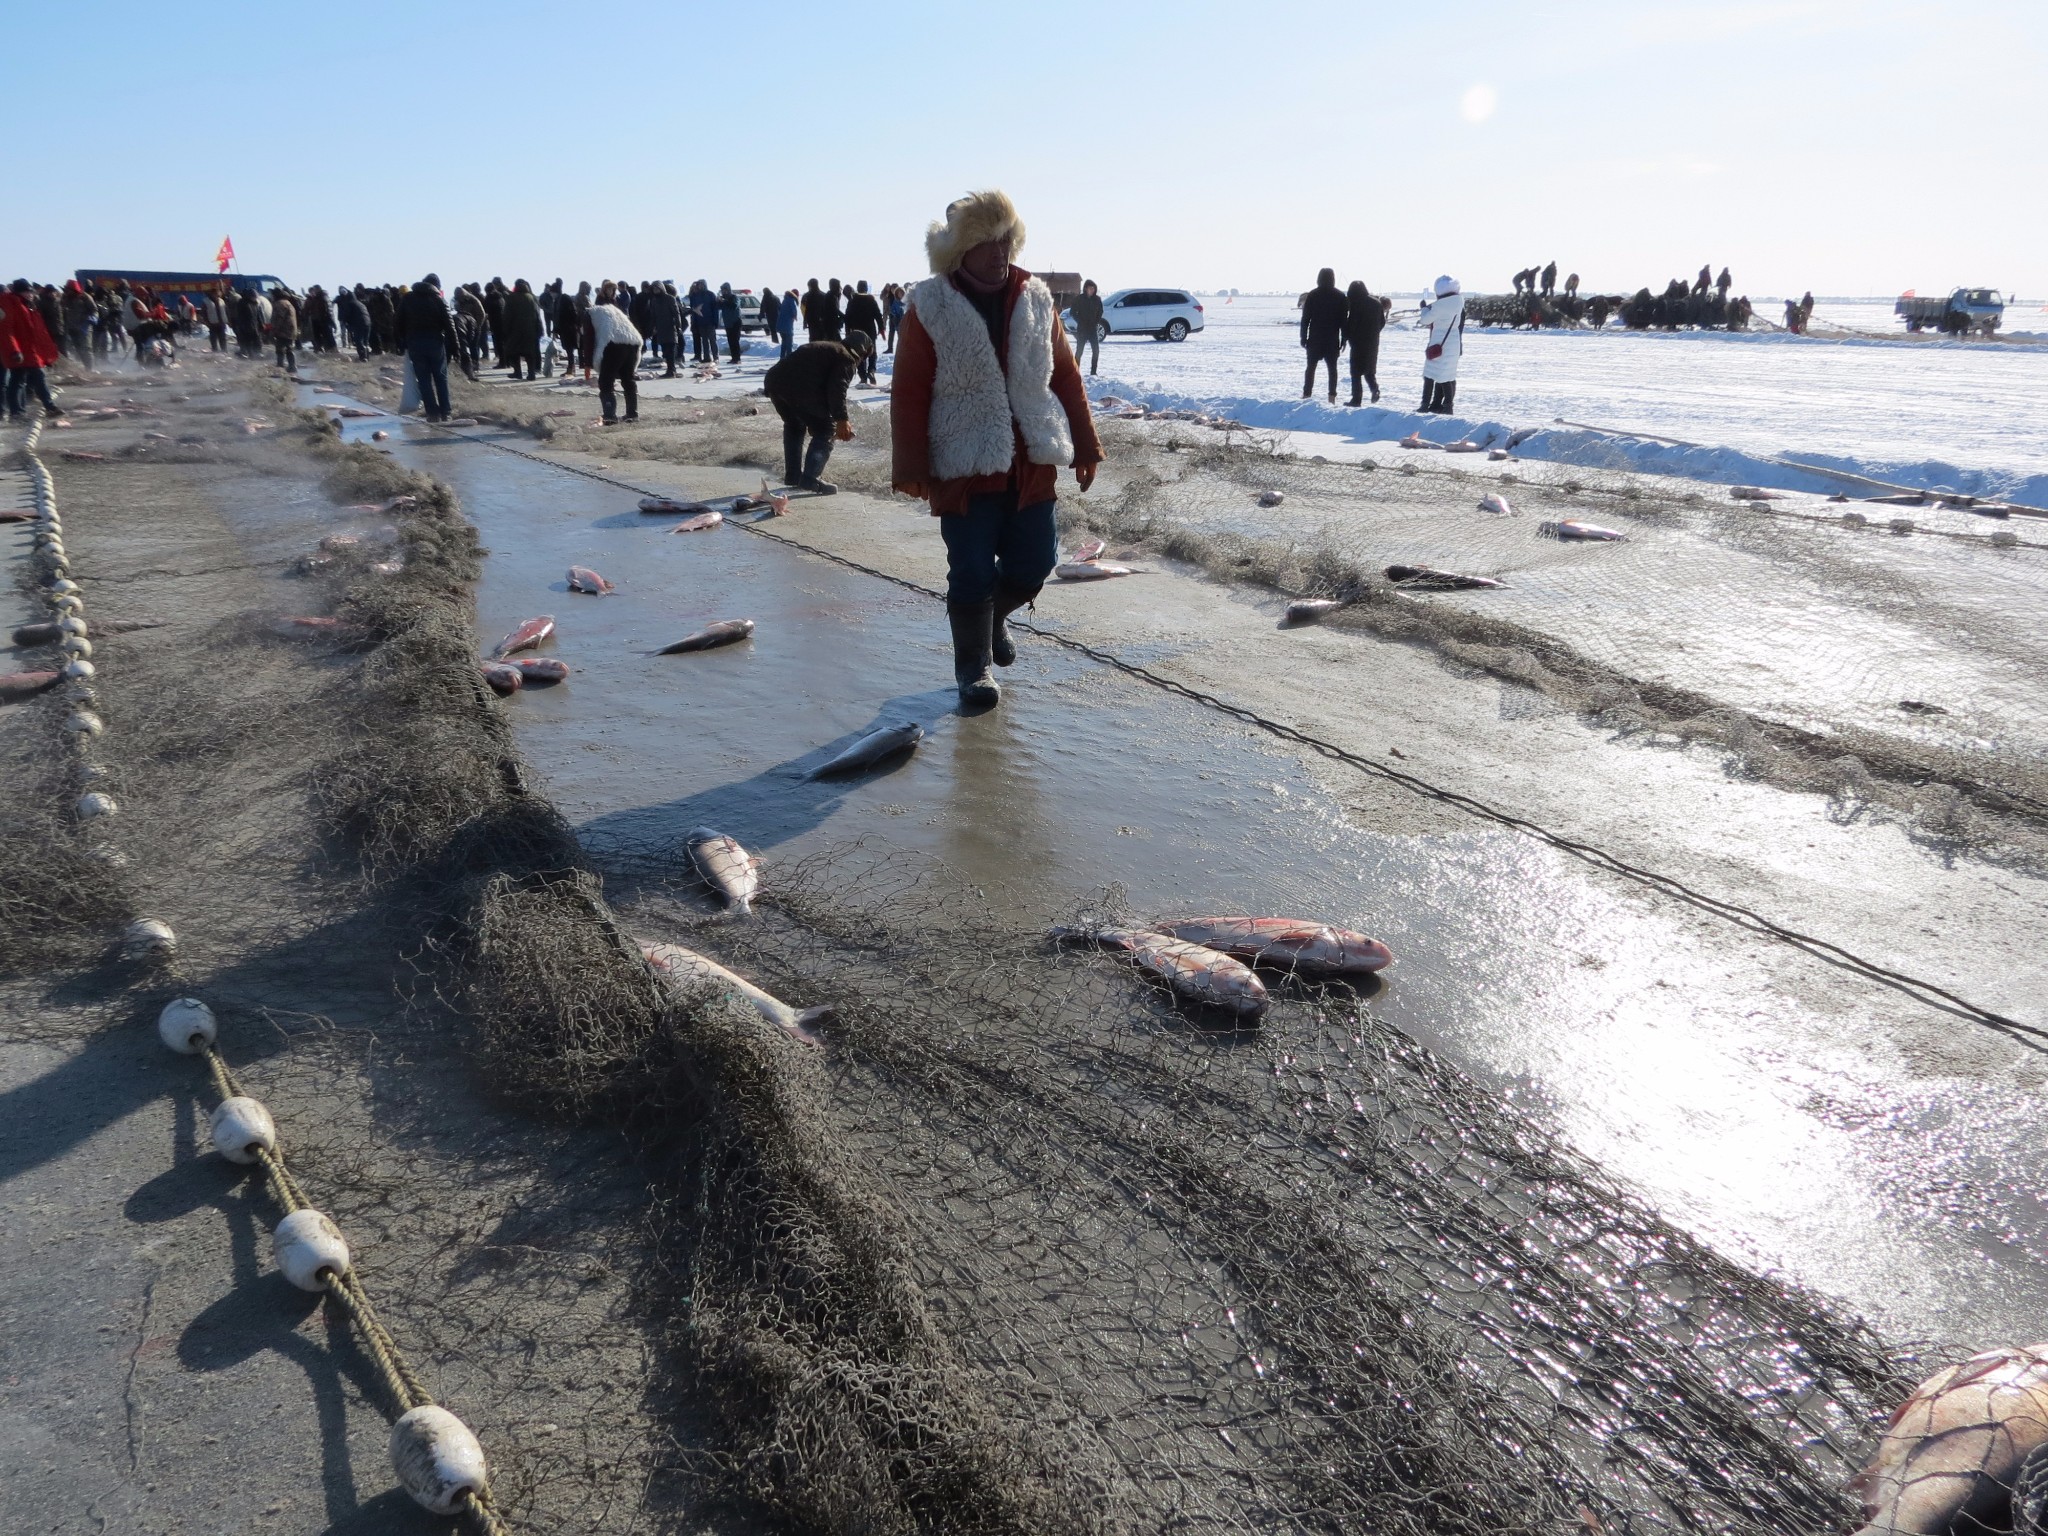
(1970, 416)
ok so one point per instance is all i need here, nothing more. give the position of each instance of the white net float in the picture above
(113, 858)
(2004, 538)
(149, 936)
(72, 624)
(94, 804)
(68, 603)
(79, 691)
(76, 646)
(84, 722)
(64, 587)
(186, 1025)
(437, 1458)
(78, 669)
(308, 1247)
(241, 1127)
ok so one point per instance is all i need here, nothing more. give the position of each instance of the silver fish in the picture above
(724, 632)
(1308, 949)
(872, 748)
(682, 967)
(1089, 570)
(1194, 973)
(726, 867)
(1957, 1443)
(1572, 530)
(1497, 504)
(1427, 578)
(1754, 493)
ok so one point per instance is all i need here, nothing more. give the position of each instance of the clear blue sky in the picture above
(1847, 146)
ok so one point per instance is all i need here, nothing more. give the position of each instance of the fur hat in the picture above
(970, 221)
(1446, 286)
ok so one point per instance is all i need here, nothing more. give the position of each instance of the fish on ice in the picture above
(668, 506)
(1309, 610)
(541, 669)
(711, 636)
(1956, 1445)
(1090, 570)
(681, 967)
(1087, 552)
(778, 501)
(1426, 578)
(709, 518)
(583, 579)
(1315, 950)
(16, 686)
(1754, 493)
(1497, 504)
(1464, 445)
(1576, 530)
(1194, 973)
(726, 867)
(526, 636)
(502, 676)
(1415, 439)
(873, 748)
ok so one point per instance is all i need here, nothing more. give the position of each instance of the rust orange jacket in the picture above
(910, 412)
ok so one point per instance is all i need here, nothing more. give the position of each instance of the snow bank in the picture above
(1591, 449)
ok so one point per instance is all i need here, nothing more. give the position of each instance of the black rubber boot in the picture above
(1002, 649)
(971, 630)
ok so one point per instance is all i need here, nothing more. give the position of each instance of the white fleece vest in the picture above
(973, 404)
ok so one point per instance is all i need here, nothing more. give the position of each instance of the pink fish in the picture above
(293, 624)
(778, 501)
(583, 579)
(1415, 439)
(541, 669)
(502, 675)
(1089, 551)
(1310, 949)
(1194, 973)
(701, 523)
(1957, 1443)
(16, 686)
(527, 635)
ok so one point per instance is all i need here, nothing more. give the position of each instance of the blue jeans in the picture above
(996, 542)
(430, 366)
(19, 382)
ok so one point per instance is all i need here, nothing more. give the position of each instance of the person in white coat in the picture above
(1445, 317)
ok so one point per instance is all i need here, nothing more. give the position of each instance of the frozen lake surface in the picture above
(1969, 415)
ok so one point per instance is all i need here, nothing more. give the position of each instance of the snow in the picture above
(1969, 416)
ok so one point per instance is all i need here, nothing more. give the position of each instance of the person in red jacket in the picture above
(25, 350)
(987, 406)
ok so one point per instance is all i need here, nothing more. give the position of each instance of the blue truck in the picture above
(1964, 311)
(167, 287)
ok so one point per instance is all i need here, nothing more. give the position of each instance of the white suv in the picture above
(1166, 313)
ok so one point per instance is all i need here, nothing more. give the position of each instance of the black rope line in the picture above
(1928, 993)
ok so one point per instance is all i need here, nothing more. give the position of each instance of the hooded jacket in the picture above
(1446, 317)
(24, 338)
(968, 417)
(1322, 318)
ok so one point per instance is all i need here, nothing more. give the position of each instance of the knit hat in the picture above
(970, 221)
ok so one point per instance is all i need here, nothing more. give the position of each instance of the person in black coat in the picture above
(426, 330)
(864, 314)
(808, 390)
(1365, 316)
(1322, 331)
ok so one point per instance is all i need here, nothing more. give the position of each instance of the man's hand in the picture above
(1084, 475)
(842, 431)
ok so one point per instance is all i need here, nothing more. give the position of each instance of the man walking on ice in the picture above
(988, 404)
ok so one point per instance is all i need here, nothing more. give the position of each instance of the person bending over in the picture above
(808, 390)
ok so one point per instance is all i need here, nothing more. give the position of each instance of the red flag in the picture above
(1908, 294)
(225, 254)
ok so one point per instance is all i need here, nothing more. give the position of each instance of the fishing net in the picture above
(1898, 674)
(1031, 1249)
(1028, 1249)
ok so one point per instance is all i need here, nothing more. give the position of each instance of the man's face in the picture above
(988, 263)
